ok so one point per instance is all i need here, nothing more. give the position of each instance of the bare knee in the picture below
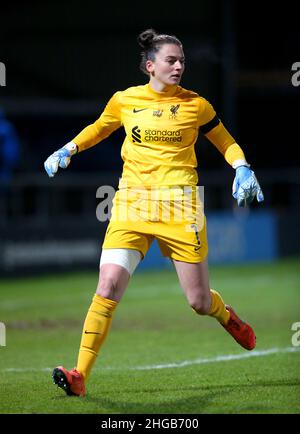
(106, 287)
(113, 280)
(201, 304)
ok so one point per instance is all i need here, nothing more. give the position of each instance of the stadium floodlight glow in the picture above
(2, 74)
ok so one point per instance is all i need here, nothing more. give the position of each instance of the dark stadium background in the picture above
(65, 59)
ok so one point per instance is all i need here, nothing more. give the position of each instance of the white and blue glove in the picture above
(245, 186)
(60, 158)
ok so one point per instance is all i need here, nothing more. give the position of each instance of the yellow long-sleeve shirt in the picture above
(161, 132)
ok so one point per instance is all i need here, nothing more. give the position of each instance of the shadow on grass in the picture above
(205, 399)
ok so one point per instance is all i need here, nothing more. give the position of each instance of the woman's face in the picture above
(168, 65)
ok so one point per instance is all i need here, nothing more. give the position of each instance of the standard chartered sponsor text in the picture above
(152, 135)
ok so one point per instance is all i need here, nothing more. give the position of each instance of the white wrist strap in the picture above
(239, 163)
(71, 147)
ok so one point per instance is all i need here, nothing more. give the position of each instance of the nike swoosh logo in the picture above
(139, 110)
(92, 333)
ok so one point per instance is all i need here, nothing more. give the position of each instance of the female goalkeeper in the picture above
(157, 196)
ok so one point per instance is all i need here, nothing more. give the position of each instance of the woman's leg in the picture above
(116, 267)
(113, 280)
(194, 279)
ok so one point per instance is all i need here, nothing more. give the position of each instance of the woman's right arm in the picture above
(109, 121)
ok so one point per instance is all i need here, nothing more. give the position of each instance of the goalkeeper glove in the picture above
(245, 186)
(60, 158)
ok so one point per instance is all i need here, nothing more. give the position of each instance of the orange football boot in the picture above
(240, 331)
(70, 381)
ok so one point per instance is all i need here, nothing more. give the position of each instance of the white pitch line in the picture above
(27, 370)
(224, 358)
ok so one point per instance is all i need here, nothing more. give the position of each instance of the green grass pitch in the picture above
(159, 357)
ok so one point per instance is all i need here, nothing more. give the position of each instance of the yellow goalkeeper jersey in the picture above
(161, 131)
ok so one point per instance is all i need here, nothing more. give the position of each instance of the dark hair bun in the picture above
(145, 39)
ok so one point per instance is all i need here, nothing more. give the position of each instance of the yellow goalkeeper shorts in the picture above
(172, 216)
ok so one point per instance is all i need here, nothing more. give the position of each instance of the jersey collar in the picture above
(159, 95)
